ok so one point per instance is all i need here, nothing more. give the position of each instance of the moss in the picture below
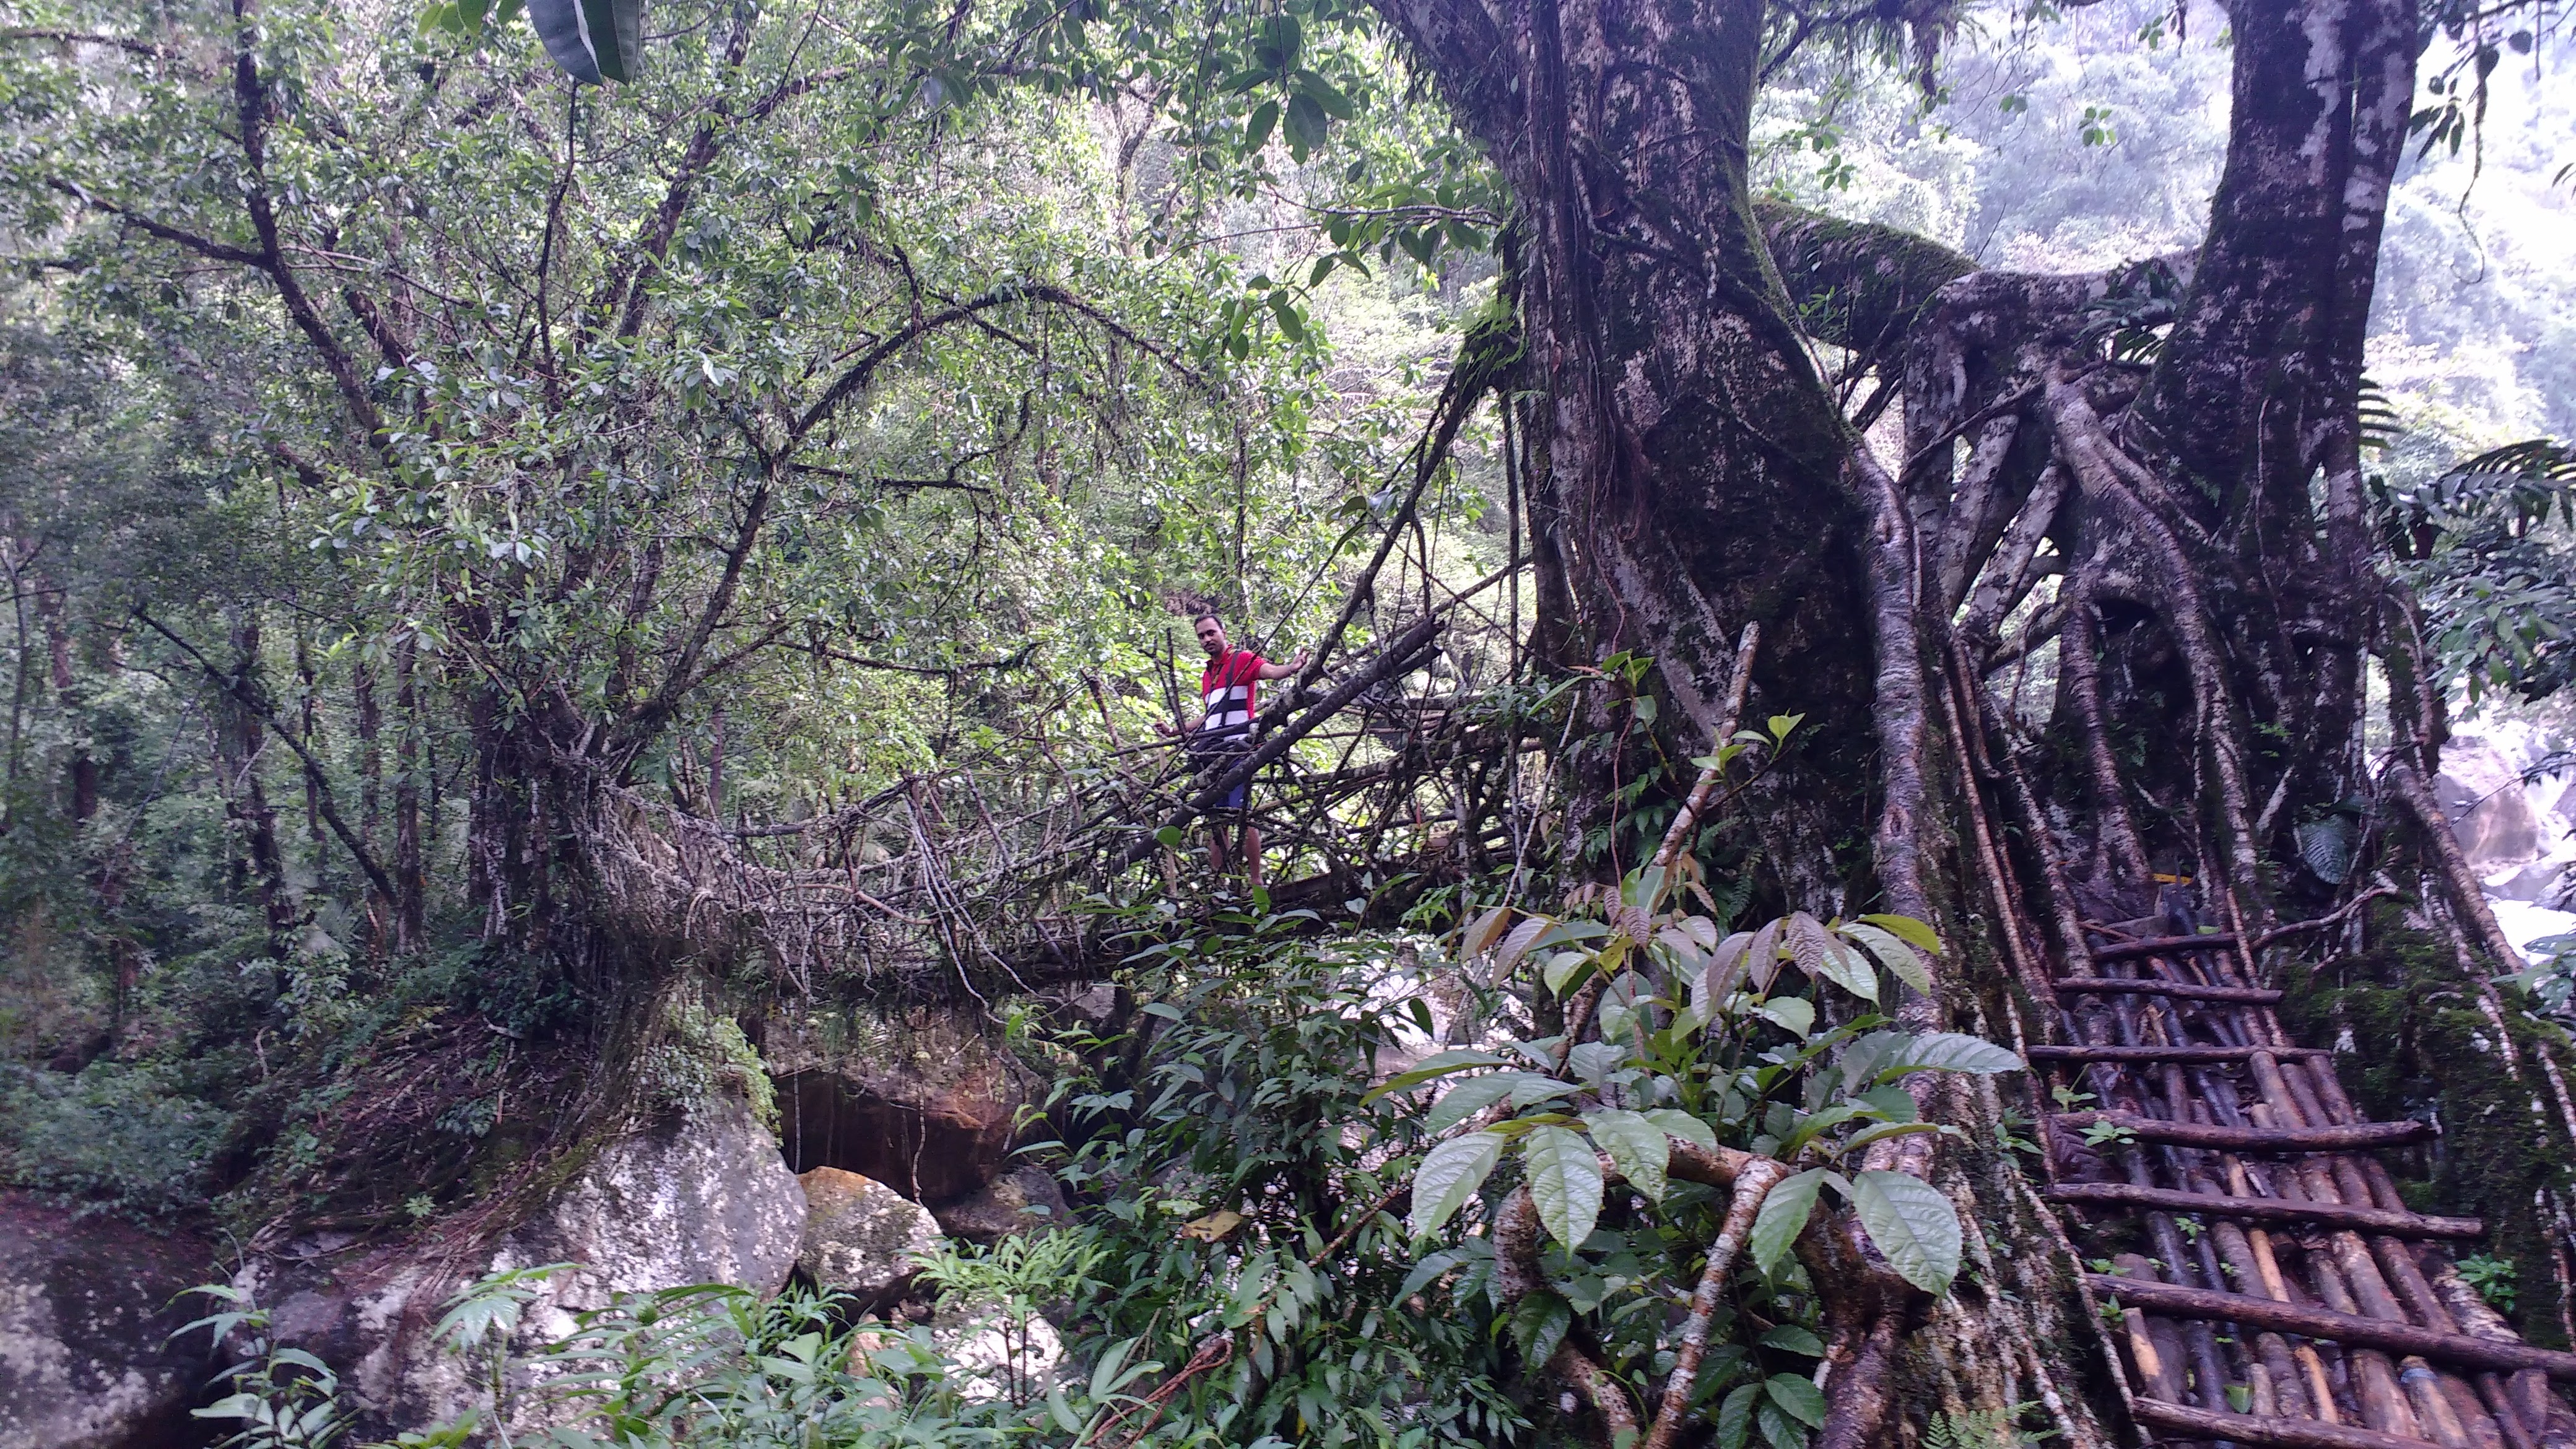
(701, 1054)
(1856, 284)
(2412, 1042)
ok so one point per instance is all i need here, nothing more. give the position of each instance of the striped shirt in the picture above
(1228, 689)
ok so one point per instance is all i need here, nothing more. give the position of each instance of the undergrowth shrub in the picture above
(116, 1137)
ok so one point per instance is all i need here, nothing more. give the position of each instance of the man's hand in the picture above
(1299, 663)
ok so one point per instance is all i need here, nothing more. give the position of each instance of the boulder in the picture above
(694, 1197)
(2542, 881)
(86, 1314)
(862, 1237)
(2490, 810)
(1023, 1201)
(927, 1102)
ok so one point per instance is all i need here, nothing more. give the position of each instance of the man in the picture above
(1229, 698)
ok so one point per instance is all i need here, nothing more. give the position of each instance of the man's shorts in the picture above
(1216, 763)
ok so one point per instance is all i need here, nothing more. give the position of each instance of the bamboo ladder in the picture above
(2285, 1265)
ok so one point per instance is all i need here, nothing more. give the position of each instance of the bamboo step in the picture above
(2090, 1053)
(2346, 1328)
(2359, 1136)
(2267, 1209)
(2247, 995)
(2162, 946)
(2266, 1430)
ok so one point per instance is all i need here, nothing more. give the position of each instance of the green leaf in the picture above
(1062, 1412)
(1424, 1272)
(1909, 930)
(1796, 1015)
(1468, 1098)
(1674, 1122)
(1438, 1064)
(1784, 1214)
(1636, 1145)
(1539, 1322)
(1778, 1429)
(1790, 1338)
(1564, 1180)
(1915, 1227)
(1735, 1417)
(1256, 131)
(1170, 836)
(1306, 123)
(1822, 954)
(1799, 1398)
(1892, 952)
(1292, 323)
(1332, 102)
(1532, 1089)
(1449, 1176)
(1946, 1051)
(1565, 970)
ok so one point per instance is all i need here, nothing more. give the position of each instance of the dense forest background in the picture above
(482, 550)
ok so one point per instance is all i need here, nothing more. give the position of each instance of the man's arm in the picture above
(1282, 671)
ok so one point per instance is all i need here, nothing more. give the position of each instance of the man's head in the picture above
(1211, 631)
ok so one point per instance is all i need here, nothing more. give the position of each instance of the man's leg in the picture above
(1216, 845)
(1251, 853)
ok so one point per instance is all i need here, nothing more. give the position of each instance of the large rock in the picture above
(862, 1237)
(1024, 1201)
(698, 1197)
(86, 1315)
(926, 1102)
(2490, 810)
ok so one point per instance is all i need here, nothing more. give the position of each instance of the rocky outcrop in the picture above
(700, 1197)
(2490, 810)
(926, 1102)
(86, 1314)
(862, 1237)
(1023, 1201)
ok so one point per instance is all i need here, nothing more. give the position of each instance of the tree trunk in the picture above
(1685, 471)
(240, 738)
(410, 884)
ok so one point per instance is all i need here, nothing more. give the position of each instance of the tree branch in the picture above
(322, 798)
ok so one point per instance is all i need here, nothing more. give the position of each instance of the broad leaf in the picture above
(1909, 930)
(1799, 1398)
(1784, 1214)
(1674, 1122)
(1794, 1014)
(1946, 1051)
(1480, 936)
(1789, 1337)
(1892, 953)
(1848, 968)
(1470, 1097)
(1762, 955)
(1438, 1064)
(1637, 1146)
(1518, 943)
(1449, 1176)
(1539, 1322)
(1564, 1180)
(1424, 1272)
(1915, 1227)
(1711, 987)
(1735, 1417)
